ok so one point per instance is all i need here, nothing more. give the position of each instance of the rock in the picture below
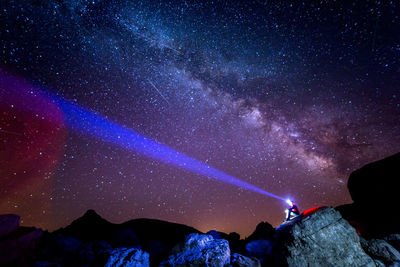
(68, 251)
(233, 236)
(394, 240)
(19, 245)
(124, 238)
(130, 257)
(259, 248)
(243, 261)
(100, 245)
(67, 245)
(199, 250)
(376, 183)
(374, 189)
(264, 230)
(157, 249)
(236, 244)
(322, 239)
(381, 250)
(8, 223)
(217, 234)
(379, 263)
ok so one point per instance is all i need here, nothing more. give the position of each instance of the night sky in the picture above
(289, 96)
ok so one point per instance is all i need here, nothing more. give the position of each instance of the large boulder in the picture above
(394, 240)
(243, 261)
(217, 235)
(260, 249)
(199, 250)
(127, 257)
(323, 238)
(8, 223)
(235, 243)
(381, 250)
(376, 183)
(374, 189)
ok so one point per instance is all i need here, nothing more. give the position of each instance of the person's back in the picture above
(292, 212)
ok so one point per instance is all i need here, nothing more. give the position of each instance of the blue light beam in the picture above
(88, 123)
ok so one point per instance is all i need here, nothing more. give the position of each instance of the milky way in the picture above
(290, 97)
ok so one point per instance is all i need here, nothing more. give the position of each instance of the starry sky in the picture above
(289, 96)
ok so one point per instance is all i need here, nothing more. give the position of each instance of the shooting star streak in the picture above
(152, 84)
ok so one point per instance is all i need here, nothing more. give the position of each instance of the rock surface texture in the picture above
(127, 257)
(200, 250)
(243, 261)
(394, 240)
(322, 239)
(381, 250)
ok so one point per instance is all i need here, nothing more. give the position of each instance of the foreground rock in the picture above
(200, 250)
(242, 261)
(322, 239)
(381, 250)
(374, 189)
(394, 240)
(128, 257)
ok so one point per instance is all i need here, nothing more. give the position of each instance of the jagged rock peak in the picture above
(90, 213)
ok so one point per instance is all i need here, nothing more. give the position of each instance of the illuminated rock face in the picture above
(130, 257)
(238, 260)
(200, 250)
(322, 239)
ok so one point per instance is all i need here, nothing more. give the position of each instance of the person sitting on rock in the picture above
(293, 211)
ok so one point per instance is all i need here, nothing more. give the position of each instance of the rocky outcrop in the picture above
(264, 230)
(381, 250)
(8, 224)
(374, 189)
(238, 260)
(200, 250)
(322, 239)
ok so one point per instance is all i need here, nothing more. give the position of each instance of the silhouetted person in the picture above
(292, 211)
